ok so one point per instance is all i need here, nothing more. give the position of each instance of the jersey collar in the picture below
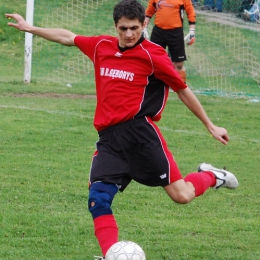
(128, 48)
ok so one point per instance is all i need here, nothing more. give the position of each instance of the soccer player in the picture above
(168, 28)
(133, 76)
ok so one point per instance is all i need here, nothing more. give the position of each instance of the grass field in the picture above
(47, 141)
(46, 148)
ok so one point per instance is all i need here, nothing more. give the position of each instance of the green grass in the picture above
(11, 44)
(46, 149)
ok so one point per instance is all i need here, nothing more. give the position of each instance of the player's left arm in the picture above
(191, 101)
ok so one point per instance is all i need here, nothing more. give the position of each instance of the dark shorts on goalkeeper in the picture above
(174, 39)
(133, 150)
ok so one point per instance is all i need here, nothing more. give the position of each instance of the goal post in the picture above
(225, 59)
(28, 42)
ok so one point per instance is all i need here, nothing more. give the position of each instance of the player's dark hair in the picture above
(130, 9)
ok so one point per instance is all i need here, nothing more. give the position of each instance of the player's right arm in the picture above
(61, 36)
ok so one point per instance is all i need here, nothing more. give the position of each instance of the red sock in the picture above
(106, 231)
(201, 181)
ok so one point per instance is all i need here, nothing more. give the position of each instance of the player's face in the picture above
(129, 32)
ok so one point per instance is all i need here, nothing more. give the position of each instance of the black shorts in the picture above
(133, 150)
(173, 38)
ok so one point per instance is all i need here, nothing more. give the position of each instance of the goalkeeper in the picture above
(168, 28)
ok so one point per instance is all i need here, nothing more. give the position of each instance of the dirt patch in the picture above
(228, 19)
(55, 95)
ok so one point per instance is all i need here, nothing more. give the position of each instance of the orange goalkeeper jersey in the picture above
(169, 13)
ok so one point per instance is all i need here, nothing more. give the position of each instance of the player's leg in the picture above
(175, 42)
(100, 199)
(179, 66)
(158, 36)
(195, 184)
(159, 168)
(106, 176)
(153, 164)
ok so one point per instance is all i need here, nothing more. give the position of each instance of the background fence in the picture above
(223, 61)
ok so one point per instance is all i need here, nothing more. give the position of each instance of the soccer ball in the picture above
(125, 250)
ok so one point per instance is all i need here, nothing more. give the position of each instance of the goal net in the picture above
(225, 60)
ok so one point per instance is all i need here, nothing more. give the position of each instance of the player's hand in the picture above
(21, 24)
(190, 37)
(220, 134)
(145, 33)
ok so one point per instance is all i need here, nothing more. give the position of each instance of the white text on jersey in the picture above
(114, 73)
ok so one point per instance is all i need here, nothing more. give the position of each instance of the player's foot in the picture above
(223, 178)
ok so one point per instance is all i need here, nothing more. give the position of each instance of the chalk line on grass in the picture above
(54, 112)
(165, 128)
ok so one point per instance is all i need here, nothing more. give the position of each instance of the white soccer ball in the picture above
(125, 250)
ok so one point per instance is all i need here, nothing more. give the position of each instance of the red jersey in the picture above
(169, 13)
(130, 83)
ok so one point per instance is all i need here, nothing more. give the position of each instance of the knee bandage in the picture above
(100, 198)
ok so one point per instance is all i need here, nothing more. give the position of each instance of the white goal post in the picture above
(28, 43)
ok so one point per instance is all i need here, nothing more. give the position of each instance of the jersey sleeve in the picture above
(165, 71)
(151, 9)
(190, 11)
(87, 44)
